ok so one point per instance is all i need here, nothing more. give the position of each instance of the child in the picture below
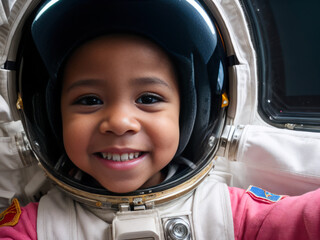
(122, 143)
(136, 109)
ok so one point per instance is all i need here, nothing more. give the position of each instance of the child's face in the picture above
(120, 111)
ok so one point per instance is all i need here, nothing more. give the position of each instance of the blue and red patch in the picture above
(263, 195)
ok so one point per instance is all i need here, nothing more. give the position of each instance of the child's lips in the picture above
(121, 161)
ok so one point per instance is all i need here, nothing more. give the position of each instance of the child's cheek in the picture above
(75, 136)
(167, 133)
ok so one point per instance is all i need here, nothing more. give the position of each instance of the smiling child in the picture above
(120, 111)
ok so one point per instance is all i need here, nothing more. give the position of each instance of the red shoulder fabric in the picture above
(26, 228)
(289, 218)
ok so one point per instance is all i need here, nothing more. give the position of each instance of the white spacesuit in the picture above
(220, 67)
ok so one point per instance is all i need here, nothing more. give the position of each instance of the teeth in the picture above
(120, 157)
(124, 157)
(116, 157)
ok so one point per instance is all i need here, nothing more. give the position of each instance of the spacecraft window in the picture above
(286, 37)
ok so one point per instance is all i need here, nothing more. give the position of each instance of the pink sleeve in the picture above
(26, 228)
(289, 218)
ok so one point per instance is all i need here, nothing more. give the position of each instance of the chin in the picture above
(121, 188)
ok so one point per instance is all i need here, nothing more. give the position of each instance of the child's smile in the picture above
(120, 159)
(120, 111)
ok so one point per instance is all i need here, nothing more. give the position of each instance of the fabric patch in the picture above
(11, 215)
(263, 195)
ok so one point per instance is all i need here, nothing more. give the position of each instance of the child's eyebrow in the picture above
(84, 82)
(150, 81)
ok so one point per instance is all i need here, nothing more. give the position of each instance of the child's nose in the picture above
(119, 120)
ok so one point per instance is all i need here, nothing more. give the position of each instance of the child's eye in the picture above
(88, 100)
(149, 99)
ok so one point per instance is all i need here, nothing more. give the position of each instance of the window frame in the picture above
(273, 103)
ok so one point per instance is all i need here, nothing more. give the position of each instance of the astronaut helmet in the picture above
(184, 29)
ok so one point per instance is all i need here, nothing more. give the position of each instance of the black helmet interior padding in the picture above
(178, 26)
(181, 27)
